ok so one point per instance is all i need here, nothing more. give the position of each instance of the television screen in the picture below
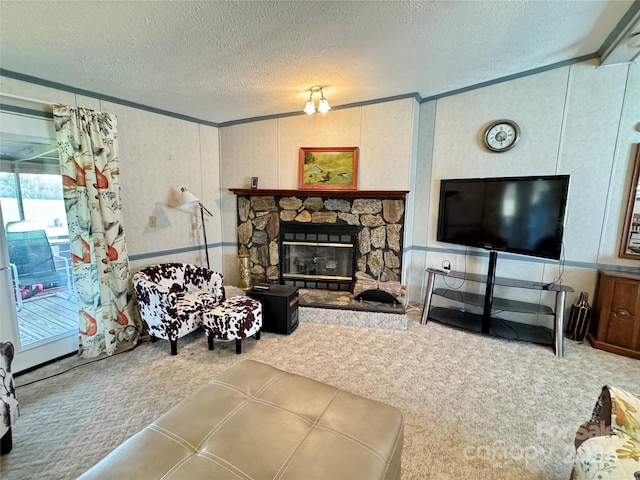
(523, 215)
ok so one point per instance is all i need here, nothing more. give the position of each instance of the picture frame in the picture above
(254, 183)
(328, 168)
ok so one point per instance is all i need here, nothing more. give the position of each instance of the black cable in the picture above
(455, 291)
(464, 277)
(562, 261)
(558, 280)
(504, 323)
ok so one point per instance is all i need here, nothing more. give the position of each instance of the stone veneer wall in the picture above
(380, 225)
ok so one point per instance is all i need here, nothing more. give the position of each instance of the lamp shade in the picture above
(188, 200)
(324, 107)
(310, 108)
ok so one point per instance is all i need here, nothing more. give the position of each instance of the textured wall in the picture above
(268, 149)
(159, 156)
(578, 120)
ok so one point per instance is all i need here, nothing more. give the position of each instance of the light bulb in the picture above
(309, 108)
(324, 107)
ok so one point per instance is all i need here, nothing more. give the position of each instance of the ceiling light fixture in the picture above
(323, 105)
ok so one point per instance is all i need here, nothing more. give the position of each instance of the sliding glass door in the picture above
(39, 307)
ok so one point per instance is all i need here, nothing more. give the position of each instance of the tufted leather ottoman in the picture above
(234, 319)
(256, 422)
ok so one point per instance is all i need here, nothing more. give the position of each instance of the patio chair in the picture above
(33, 262)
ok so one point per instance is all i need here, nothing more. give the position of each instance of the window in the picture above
(36, 198)
(30, 180)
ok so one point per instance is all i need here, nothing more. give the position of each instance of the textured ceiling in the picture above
(224, 61)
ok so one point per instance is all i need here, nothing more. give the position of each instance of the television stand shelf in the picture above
(498, 327)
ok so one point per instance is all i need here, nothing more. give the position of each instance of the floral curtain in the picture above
(88, 147)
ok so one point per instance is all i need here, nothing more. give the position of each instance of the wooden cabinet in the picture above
(615, 326)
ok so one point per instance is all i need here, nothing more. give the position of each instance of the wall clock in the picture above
(502, 135)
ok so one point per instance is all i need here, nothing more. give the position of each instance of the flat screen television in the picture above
(523, 215)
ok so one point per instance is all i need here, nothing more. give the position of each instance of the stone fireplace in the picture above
(374, 220)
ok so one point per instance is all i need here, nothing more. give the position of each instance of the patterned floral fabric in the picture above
(234, 319)
(171, 297)
(615, 455)
(10, 408)
(88, 150)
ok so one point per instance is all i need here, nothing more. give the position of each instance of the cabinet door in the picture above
(624, 314)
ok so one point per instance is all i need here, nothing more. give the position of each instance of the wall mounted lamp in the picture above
(323, 105)
(189, 200)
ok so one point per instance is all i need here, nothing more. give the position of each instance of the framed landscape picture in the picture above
(328, 168)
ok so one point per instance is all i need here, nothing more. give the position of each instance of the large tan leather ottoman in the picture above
(254, 421)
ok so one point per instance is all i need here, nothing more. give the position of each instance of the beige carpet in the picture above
(475, 407)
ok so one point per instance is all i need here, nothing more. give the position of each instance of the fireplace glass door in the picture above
(318, 260)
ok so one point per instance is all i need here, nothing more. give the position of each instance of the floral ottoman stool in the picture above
(236, 318)
(608, 446)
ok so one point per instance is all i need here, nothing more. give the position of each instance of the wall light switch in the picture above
(152, 221)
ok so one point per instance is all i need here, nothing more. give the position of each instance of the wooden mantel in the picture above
(320, 193)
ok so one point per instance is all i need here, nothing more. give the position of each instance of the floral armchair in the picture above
(171, 297)
(608, 446)
(10, 408)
